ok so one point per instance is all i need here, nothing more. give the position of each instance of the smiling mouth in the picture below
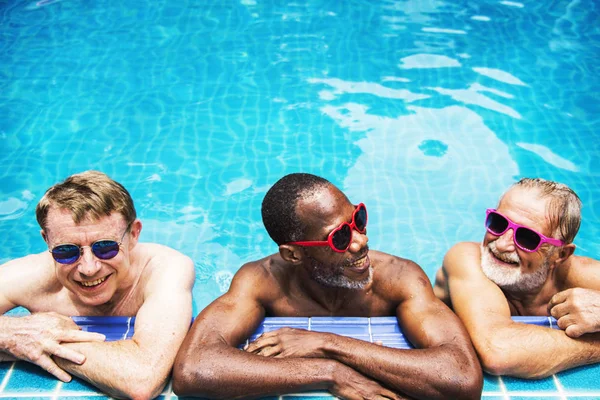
(503, 261)
(90, 284)
(360, 265)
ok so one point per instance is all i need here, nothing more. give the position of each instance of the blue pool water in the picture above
(425, 110)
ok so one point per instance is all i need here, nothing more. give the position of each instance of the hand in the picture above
(577, 311)
(289, 342)
(38, 337)
(350, 384)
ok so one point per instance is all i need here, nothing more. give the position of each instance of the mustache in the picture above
(362, 254)
(506, 257)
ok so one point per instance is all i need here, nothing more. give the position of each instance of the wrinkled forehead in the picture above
(528, 202)
(60, 219)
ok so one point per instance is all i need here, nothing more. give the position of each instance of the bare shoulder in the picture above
(26, 280)
(262, 279)
(581, 272)
(463, 256)
(397, 277)
(159, 263)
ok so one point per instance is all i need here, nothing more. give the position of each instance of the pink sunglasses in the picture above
(525, 238)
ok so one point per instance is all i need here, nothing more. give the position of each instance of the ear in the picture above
(44, 236)
(564, 253)
(134, 233)
(291, 253)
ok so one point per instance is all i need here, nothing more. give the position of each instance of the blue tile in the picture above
(385, 327)
(535, 396)
(28, 377)
(492, 397)
(78, 385)
(491, 383)
(4, 368)
(583, 379)
(540, 321)
(521, 385)
(340, 321)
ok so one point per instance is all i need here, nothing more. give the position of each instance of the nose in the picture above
(506, 242)
(359, 241)
(88, 264)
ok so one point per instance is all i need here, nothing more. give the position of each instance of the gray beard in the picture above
(335, 277)
(512, 279)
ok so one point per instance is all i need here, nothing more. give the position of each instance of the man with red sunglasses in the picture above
(95, 266)
(526, 266)
(325, 268)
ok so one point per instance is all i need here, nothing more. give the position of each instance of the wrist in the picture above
(330, 345)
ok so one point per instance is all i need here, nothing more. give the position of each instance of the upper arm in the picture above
(164, 318)
(20, 279)
(231, 318)
(477, 301)
(426, 320)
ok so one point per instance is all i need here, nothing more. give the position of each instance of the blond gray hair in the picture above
(564, 207)
(90, 194)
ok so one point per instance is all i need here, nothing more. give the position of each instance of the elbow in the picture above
(466, 380)
(142, 389)
(501, 362)
(189, 380)
(470, 386)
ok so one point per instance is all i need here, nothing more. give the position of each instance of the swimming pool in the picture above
(423, 110)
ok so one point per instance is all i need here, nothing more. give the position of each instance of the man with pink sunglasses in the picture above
(325, 268)
(525, 266)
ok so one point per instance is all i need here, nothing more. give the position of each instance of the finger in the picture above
(67, 354)
(558, 298)
(272, 351)
(50, 366)
(265, 351)
(71, 335)
(559, 310)
(388, 394)
(564, 322)
(262, 342)
(574, 331)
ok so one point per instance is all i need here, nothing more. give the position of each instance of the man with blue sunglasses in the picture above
(95, 266)
(525, 266)
(325, 268)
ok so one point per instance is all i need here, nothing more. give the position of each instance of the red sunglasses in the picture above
(340, 238)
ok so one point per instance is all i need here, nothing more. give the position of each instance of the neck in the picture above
(332, 299)
(534, 302)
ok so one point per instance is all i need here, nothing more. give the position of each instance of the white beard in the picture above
(511, 278)
(335, 278)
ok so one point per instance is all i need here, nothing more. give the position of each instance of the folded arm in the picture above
(506, 347)
(444, 365)
(139, 367)
(210, 365)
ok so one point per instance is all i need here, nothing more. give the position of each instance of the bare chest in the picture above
(366, 305)
(63, 303)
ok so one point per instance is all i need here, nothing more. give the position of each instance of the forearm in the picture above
(554, 351)
(220, 371)
(440, 372)
(121, 369)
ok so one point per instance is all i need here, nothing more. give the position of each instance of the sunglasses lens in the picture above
(341, 238)
(360, 219)
(66, 253)
(105, 249)
(527, 238)
(496, 223)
